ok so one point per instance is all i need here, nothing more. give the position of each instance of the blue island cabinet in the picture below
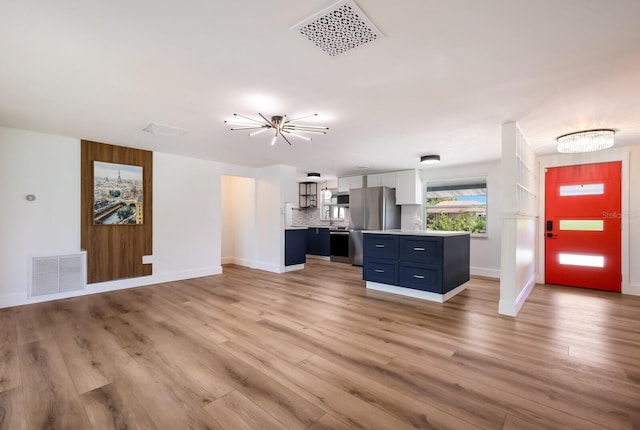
(436, 264)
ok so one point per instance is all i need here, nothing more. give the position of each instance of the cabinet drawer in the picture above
(383, 271)
(425, 250)
(421, 277)
(380, 246)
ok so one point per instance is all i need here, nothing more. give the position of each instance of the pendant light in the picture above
(326, 192)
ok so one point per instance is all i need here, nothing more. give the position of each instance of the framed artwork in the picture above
(118, 194)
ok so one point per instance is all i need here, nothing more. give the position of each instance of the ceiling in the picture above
(442, 79)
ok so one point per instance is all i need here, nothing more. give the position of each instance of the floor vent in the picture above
(58, 274)
(339, 28)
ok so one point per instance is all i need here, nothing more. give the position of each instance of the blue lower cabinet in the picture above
(295, 247)
(421, 277)
(324, 247)
(318, 241)
(383, 271)
(380, 246)
(423, 250)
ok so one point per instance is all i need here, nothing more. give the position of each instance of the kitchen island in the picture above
(430, 265)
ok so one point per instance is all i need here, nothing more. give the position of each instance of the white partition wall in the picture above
(519, 220)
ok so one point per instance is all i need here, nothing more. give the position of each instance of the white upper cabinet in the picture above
(407, 183)
(345, 184)
(382, 180)
(408, 187)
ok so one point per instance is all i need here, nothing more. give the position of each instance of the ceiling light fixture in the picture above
(586, 141)
(430, 159)
(280, 124)
(313, 175)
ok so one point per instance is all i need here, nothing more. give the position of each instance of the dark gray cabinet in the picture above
(436, 264)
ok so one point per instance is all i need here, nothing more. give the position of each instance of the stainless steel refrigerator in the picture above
(370, 209)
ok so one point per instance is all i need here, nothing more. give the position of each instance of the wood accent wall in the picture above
(115, 251)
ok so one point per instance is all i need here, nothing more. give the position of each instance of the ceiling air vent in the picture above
(165, 130)
(339, 28)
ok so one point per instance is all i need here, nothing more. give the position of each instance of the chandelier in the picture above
(586, 141)
(279, 124)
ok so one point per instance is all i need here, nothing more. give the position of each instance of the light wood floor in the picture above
(314, 350)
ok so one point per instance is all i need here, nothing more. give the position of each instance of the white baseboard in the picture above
(487, 273)
(186, 274)
(293, 267)
(511, 309)
(17, 299)
(632, 290)
(319, 257)
(268, 267)
(239, 261)
(418, 294)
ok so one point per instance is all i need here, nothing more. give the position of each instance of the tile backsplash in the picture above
(311, 216)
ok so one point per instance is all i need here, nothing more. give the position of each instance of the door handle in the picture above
(551, 235)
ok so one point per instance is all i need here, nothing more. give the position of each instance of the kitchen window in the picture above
(332, 210)
(457, 205)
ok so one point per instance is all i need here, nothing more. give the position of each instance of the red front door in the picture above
(582, 226)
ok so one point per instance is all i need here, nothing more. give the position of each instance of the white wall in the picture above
(485, 251)
(275, 185)
(632, 221)
(238, 220)
(186, 213)
(186, 217)
(48, 167)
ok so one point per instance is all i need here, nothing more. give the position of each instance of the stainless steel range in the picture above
(339, 244)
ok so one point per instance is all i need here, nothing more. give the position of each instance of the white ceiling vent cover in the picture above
(165, 130)
(58, 274)
(339, 28)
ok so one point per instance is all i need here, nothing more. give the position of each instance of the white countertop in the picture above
(293, 227)
(297, 227)
(410, 232)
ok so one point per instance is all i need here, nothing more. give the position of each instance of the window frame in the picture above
(459, 181)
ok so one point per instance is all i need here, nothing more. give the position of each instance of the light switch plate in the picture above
(147, 259)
